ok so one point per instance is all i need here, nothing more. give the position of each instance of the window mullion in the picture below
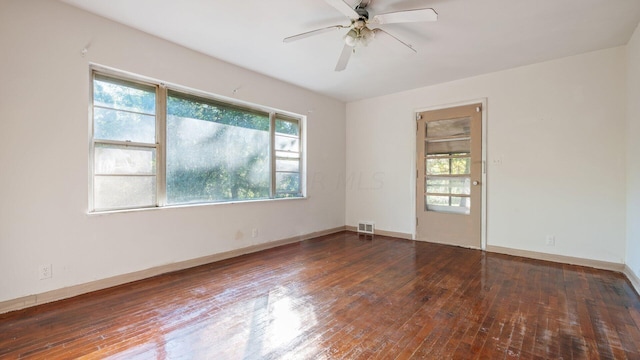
(272, 154)
(300, 158)
(92, 144)
(302, 174)
(161, 136)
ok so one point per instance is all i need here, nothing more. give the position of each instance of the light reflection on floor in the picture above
(276, 320)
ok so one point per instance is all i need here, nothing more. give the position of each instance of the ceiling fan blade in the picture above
(313, 32)
(344, 8)
(405, 16)
(376, 31)
(344, 58)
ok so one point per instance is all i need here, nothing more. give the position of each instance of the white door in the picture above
(449, 188)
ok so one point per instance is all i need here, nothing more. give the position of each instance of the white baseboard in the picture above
(597, 264)
(604, 265)
(60, 294)
(633, 278)
(75, 290)
(384, 233)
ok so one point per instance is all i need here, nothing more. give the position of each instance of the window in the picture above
(287, 157)
(124, 144)
(154, 146)
(448, 166)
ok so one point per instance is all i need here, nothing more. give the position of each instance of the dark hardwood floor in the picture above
(344, 296)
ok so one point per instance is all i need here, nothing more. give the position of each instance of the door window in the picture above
(448, 166)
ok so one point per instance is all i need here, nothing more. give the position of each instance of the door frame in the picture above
(414, 168)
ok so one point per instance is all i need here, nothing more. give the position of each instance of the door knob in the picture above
(475, 182)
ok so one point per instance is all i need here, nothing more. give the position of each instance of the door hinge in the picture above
(417, 172)
(416, 221)
(478, 108)
(418, 116)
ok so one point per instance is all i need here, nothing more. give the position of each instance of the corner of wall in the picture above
(632, 255)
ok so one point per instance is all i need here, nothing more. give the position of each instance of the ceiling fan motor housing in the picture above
(362, 12)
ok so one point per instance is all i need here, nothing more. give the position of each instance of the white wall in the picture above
(633, 153)
(44, 96)
(559, 129)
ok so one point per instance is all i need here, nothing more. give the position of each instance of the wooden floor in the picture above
(344, 296)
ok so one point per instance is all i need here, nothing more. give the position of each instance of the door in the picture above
(449, 187)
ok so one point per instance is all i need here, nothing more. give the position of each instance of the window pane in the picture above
(448, 147)
(461, 166)
(288, 182)
(449, 185)
(112, 159)
(286, 143)
(460, 201)
(215, 154)
(123, 95)
(437, 200)
(453, 204)
(193, 107)
(123, 126)
(287, 165)
(287, 127)
(446, 128)
(439, 166)
(117, 192)
(288, 155)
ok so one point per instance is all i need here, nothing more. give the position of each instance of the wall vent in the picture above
(365, 227)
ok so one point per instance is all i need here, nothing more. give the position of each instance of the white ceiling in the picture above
(471, 37)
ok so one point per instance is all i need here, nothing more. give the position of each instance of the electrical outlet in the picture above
(45, 271)
(254, 233)
(551, 240)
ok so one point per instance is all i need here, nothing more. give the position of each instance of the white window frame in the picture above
(273, 152)
(162, 89)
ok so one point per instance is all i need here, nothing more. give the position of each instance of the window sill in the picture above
(178, 206)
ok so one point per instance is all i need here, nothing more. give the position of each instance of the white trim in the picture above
(483, 215)
(161, 145)
(133, 77)
(161, 93)
(178, 206)
(75, 290)
(90, 145)
(379, 232)
(597, 264)
(633, 278)
(60, 294)
(272, 155)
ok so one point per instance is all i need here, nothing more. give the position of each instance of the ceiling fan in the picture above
(362, 30)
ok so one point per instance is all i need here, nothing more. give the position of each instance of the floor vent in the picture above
(365, 227)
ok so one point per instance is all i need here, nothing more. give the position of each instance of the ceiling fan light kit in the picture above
(360, 34)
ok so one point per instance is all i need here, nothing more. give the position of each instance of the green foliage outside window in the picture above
(215, 152)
